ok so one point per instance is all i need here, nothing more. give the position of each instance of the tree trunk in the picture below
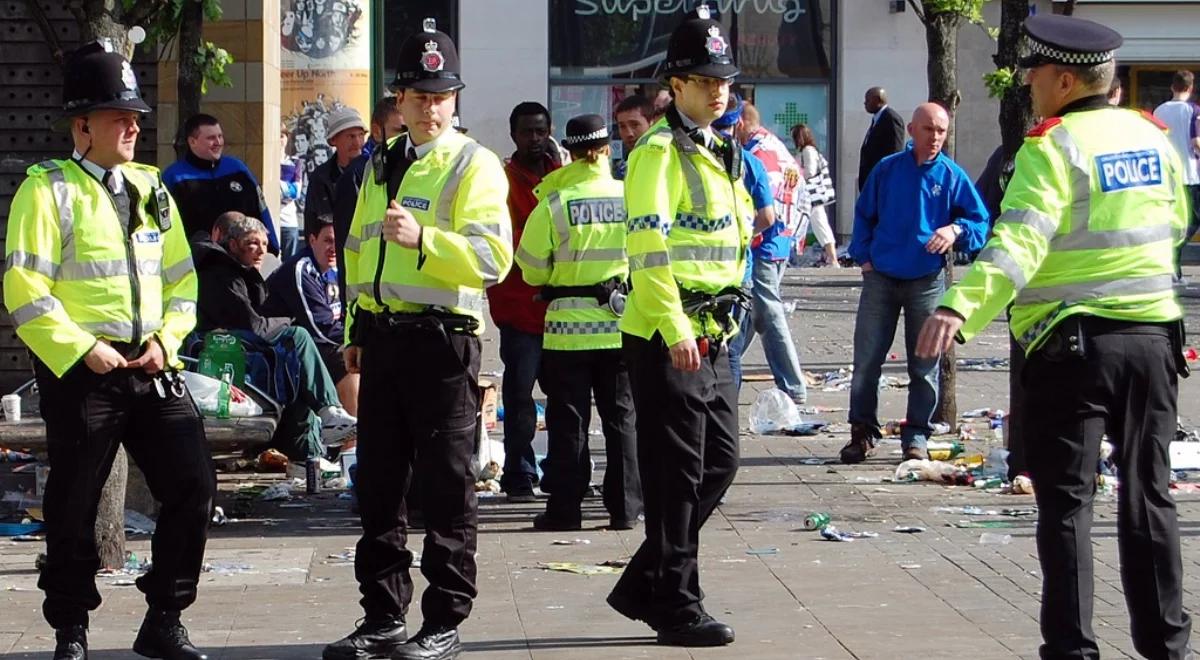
(110, 517)
(191, 77)
(101, 19)
(941, 38)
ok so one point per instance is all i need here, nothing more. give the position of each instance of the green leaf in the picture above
(999, 81)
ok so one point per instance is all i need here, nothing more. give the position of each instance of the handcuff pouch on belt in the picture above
(1067, 341)
(717, 306)
(610, 293)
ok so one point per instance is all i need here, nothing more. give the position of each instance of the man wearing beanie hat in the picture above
(1084, 249)
(573, 247)
(100, 286)
(430, 233)
(689, 225)
(347, 133)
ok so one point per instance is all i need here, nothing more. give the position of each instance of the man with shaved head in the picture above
(885, 136)
(914, 209)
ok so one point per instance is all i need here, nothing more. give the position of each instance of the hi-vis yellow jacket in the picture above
(575, 236)
(74, 273)
(1090, 223)
(689, 228)
(458, 193)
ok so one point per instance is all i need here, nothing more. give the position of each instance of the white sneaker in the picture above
(336, 424)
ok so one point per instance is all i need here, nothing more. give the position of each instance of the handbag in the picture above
(819, 185)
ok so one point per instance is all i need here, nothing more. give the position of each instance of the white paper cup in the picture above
(12, 407)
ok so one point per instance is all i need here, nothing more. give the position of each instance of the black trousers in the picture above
(87, 416)
(688, 455)
(569, 379)
(1125, 387)
(418, 407)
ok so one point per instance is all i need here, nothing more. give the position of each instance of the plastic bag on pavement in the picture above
(205, 391)
(773, 411)
(921, 469)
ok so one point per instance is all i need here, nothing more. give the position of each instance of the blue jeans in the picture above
(770, 320)
(879, 307)
(289, 241)
(521, 353)
(739, 343)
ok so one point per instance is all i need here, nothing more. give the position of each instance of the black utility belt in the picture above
(698, 302)
(438, 321)
(1069, 338)
(601, 291)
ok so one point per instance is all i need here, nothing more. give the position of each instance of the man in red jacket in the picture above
(519, 317)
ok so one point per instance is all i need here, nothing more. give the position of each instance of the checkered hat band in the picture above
(1067, 57)
(594, 135)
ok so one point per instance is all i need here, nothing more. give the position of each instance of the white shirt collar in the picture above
(690, 125)
(99, 172)
(429, 146)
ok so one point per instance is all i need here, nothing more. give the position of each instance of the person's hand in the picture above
(685, 356)
(943, 239)
(103, 358)
(152, 360)
(938, 333)
(352, 357)
(400, 227)
(867, 267)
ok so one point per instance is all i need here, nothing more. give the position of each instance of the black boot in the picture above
(71, 643)
(431, 643)
(374, 637)
(700, 631)
(163, 636)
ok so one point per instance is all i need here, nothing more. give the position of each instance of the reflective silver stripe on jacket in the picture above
(476, 234)
(527, 257)
(458, 167)
(66, 215)
(1079, 175)
(581, 327)
(704, 253)
(558, 217)
(31, 262)
(1117, 238)
(582, 302)
(89, 270)
(421, 295)
(35, 309)
(1007, 265)
(177, 272)
(120, 330)
(1082, 291)
(369, 231)
(181, 305)
(1036, 220)
(648, 260)
(565, 255)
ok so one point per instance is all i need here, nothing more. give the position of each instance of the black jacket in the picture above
(205, 189)
(231, 295)
(322, 184)
(885, 138)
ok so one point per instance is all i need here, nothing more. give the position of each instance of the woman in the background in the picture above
(820, 189)
(291, 189)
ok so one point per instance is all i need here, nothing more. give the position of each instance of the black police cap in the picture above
(428, 62)
(1066, 40)
(586, 131)
(96, 78)
(699, 47)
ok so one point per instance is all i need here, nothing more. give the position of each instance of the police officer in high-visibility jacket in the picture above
(573, 247)
(430, 232)
(689, 226)
(99, 283)
(1085, 245)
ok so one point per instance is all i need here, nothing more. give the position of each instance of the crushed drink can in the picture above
(312, 476)
(814, 521)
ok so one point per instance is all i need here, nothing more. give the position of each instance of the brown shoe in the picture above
(917, 453)
(861, 445)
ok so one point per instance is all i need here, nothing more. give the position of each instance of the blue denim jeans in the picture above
(289, 242)
(521, 353)
(770, 320)
(883, 299)
(738, 344)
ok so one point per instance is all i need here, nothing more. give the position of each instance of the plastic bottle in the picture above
(996, 464)
(944, 451)
(224, 396)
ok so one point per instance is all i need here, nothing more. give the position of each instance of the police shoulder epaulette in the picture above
(43, 167)
(1043, 128)
(1155, 120)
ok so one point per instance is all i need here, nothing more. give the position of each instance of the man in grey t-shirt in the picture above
(1182, 118)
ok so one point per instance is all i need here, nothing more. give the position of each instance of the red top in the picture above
(511, 301)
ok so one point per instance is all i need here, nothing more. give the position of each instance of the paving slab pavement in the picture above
(281, 585)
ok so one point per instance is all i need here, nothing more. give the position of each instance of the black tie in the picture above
(109, 182)
(411, 154)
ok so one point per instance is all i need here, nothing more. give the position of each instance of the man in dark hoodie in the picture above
(231, 297)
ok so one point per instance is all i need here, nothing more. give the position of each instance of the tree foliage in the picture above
(163, 21)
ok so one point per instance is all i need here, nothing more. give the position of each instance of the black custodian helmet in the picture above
(428, 62)
(698, 47)
(96, 78)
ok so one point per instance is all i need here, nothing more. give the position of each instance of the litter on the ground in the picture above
(276, 492)
(988, 538)
(579, 569)
(831, 533)
(570, 542)
(908, 529)
(762, 552)
(773, 410)
(982, 364)
(138, 523)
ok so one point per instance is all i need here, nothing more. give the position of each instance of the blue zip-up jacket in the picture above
(297, 289)
(204, 189)
(903, 203)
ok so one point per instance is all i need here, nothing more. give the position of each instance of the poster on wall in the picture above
(325, 64)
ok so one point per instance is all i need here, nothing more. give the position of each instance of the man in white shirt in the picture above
(1182, 118)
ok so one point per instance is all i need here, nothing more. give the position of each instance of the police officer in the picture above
(1085, 244)
(430, 232)
(100, 285)
(689, 226)
(573, 247)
